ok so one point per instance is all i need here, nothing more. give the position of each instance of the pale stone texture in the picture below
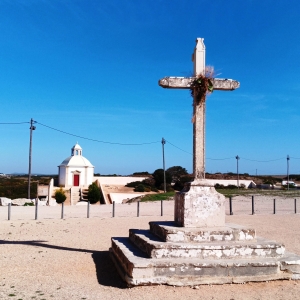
(148, 261)
(200, 206)
(22, 201)
(4, 201)
(185, 83)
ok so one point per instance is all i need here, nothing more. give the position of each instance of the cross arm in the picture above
(185, 83)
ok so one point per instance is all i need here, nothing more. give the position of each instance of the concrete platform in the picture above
(144, 258)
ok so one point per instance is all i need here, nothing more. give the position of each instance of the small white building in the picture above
(76, 170)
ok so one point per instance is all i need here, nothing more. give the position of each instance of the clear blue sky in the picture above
(90, 68)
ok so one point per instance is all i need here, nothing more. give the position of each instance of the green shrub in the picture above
(219, 186)
(149, 182)
(94, 194)
(29, 204)
(140, 188)
(147, 189)
(169, 188)
(60, 196)
(133, 184)
(231, 186)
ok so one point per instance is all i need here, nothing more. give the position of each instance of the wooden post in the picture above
(230, 206)
(253, 205)
(62, 210)
(138, 208)
(88, 209)
(9, 210)
(113, 209)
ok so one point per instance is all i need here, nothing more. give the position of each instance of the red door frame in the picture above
(76, 179)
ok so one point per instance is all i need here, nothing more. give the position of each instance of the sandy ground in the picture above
(54, 258)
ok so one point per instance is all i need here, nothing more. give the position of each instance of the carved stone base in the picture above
(199, 205)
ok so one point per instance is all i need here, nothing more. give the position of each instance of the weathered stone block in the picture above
(199, 205)
(169, 231)
(155, 248)
(137, 269)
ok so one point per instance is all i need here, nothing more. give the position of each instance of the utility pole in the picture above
(237, 170)
(163, 141)
(30, 151)
(288, 175)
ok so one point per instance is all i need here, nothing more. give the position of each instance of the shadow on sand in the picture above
(106, 271)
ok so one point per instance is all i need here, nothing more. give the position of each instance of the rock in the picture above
(4, 201)
(20, 201)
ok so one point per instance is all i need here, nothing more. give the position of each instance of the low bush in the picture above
(60, 196)
(94, 194)
(140, 188)
(219, 186)
(133, 184)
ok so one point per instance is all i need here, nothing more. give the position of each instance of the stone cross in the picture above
(198, 59)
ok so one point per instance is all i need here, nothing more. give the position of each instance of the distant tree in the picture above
(60, 196)
(150, 181)
(140, 173)
(94, 194)
(176, 172)
(158, 176)
(179, 184)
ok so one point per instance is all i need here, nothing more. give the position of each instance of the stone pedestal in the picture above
(199, 205)
(169, 254)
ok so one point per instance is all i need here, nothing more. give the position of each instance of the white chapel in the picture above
(75, 170)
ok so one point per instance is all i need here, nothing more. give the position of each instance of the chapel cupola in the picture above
(76, 150)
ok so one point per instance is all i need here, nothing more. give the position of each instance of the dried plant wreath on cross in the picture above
(202, 85)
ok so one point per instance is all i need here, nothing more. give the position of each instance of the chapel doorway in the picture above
(76, 179)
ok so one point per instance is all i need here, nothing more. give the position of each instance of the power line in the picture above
(262, 160)
(94, 140)
(178, 148)
(220, 158)
(136, 144)
(14, 123)
(192, 154)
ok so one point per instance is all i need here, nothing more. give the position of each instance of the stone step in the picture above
(155, 248)
(137, 269)
(170, 232)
